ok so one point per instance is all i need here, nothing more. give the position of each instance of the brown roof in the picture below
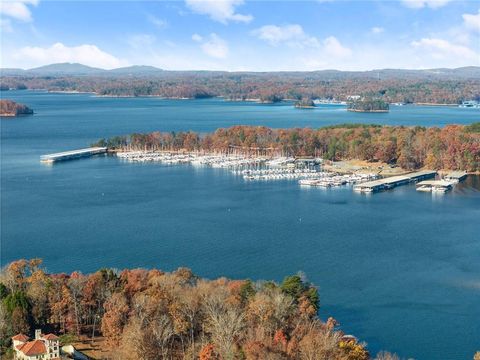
(50, 337)
(32, 348)
(20, 337)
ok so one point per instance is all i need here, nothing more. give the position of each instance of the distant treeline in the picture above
(453, 147)
(151, 314)
(11, 108)
(265, 87)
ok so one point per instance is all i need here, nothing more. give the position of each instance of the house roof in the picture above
(32, 348)
(20, 337)
(50, 337)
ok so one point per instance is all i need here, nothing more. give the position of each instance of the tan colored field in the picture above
(361, 166)
(95, 350)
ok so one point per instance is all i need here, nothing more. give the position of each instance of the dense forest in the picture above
(393, 86)
(453, 147)
(11, 108)
(151, 314)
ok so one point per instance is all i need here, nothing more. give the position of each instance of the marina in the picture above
(74, 154)
(393, 181)
(213, 160)
(307, 171)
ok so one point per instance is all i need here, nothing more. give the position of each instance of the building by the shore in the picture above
(43, 347)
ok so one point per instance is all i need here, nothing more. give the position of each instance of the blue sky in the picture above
(238, 35)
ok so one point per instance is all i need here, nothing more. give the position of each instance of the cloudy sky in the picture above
(241, 35)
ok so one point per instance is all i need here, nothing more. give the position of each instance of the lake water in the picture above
(400, 269)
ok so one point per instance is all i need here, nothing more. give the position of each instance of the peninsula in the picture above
(152, 314)
(10, 108)
(453, 147)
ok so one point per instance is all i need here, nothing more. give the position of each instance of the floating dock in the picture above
(73, 154)
(434, 186)
(394, 181)
(456, 176)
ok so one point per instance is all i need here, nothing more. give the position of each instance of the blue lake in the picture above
(400, 269)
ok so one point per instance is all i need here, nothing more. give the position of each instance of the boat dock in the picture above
(73, 154)
(394, 181)
(434, 186)
(456, 176)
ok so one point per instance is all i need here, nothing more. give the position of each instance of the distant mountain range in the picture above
(75, 69)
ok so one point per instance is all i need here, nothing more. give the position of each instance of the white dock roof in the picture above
(75, 152)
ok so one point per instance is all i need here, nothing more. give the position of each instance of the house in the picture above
(43, 347)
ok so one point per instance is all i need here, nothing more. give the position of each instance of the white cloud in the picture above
(159, 23)
(472, 21)
(213, 46)
(17, 9)
(439, 48)
(292, 35)
(222, 11)
(85, 54)
(333, 48)
(197, 38)
(419, 4)
(377, 30)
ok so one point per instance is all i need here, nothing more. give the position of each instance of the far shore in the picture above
(259, 101)
(368, 111)
(434, 104)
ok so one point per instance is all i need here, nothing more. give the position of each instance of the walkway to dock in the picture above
(73, 154)
(394, 181)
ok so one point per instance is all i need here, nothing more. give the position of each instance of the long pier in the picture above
(73, 154)
(394, 181)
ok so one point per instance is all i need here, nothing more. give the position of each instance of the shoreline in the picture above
(435, 104)
(368, 111)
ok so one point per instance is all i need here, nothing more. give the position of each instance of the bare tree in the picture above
(162, 329)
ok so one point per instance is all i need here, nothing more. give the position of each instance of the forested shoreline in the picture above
(390, 87)
(454, 147)
(151, 314)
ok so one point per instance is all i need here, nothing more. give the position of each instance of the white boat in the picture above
(440, 189)
(424, 188)
(470, 104)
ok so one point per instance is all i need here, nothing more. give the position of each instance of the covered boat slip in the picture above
(394, 181)
(456, 176)
(74, 154)
(434, 186)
